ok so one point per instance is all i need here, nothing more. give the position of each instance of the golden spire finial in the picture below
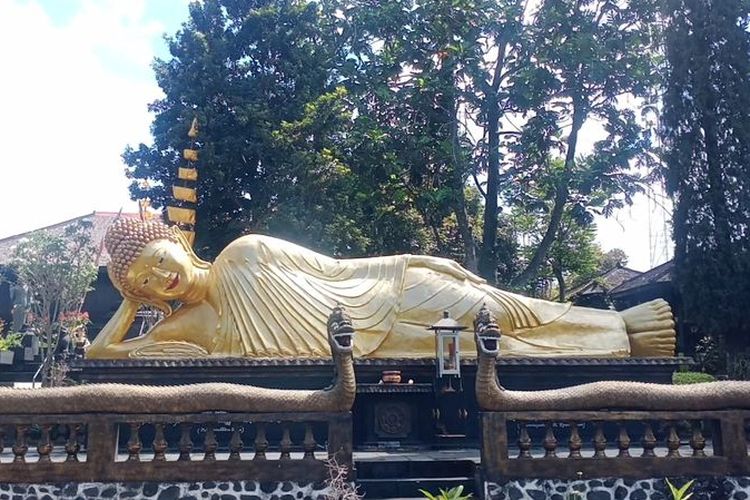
(184, 191)
(193, 132)
(144, 204)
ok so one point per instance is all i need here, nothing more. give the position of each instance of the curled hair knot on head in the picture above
(125, 240)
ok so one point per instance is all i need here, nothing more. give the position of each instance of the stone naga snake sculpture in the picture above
(491, 396)
(195, 398)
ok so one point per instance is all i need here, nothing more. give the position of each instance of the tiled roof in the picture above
(659, 274)
(100, 222)
(606, 282)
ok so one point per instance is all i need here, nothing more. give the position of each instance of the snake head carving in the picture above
(486, 332)
(340, 331)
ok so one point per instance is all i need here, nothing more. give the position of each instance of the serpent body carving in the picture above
(492, 396)
(195, 398)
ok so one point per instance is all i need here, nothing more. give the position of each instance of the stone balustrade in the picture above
(562, 452)
(166, 448)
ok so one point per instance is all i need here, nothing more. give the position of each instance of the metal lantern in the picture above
(447, 347)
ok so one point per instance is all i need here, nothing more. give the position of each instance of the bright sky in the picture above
(75, 85)
(76, 80)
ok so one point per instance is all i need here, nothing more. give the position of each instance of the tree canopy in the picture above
(361, 127)
(241, 68)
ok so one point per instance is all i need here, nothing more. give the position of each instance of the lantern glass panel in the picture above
(448, 353)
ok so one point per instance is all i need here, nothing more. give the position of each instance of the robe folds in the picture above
(275, 297)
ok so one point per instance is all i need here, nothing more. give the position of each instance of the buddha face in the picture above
(162, 271)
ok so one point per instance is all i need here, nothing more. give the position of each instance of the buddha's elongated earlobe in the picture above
(185, 244)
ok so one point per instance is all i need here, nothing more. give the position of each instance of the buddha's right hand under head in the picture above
(116, 328)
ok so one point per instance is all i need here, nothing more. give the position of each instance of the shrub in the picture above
(10, 341)
(682, 492)
(682, 378)
(338, 484)
(709, 355)
(451, 494)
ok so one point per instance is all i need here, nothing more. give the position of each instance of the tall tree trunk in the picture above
(558, 208)
(560, 283)
(560, 201)
(459, 207)
(459, 196)
(487, 257)
(470, 249)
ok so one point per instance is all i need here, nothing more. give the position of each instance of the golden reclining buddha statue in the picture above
(267, 298)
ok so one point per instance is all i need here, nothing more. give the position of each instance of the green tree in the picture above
(436, 72)
(574, 256)
(612, 259)
(411, 68)
(241, 68)
(58, 270)
(350, 198)
(706, 132)
(586, 56)
(287, 145)
(502, 51)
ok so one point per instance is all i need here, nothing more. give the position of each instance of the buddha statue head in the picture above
(151, 262)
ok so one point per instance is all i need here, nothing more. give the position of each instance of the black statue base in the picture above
(418, 412)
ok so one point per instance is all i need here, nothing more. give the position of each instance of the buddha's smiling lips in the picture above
(174, 282)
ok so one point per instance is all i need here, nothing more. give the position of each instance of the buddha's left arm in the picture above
(444, 266)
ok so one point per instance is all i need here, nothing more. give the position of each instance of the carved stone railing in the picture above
(625, 444)
(262, 447)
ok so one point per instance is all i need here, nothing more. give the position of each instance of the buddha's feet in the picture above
(650, 328)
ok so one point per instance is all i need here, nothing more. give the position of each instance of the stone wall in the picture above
(708, 488)
(235, 490)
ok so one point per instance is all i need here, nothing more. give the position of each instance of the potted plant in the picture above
(8, 342)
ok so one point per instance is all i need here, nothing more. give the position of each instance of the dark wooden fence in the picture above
(173, 447)
(626, 444)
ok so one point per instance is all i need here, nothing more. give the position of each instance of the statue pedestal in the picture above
(394, 415)
(515, 373)
(387, 415)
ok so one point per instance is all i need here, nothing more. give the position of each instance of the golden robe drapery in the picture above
(274, 298)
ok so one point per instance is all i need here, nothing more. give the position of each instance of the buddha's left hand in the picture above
(445, 266)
